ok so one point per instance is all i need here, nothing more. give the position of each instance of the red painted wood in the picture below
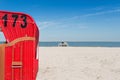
(28, 49)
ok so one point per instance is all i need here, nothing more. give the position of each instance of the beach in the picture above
(79, 63)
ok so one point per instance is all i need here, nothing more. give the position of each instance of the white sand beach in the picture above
(79, 63)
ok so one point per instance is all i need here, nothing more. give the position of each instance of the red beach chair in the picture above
(18, 55)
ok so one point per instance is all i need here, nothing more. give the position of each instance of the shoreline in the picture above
(74, 47)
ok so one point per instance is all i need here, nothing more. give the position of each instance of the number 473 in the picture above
(15, 16)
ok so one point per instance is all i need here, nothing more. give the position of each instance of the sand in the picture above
(79, 63)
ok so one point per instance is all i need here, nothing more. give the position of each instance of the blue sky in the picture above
(71, 20)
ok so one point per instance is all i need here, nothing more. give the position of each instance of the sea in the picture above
(81, 44)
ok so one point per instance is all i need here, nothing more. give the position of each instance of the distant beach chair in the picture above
(63, 44)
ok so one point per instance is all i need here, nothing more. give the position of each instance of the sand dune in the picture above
(79, 63)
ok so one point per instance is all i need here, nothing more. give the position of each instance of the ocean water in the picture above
(81, 44)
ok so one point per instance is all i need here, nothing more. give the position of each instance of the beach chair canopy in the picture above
(18, 54)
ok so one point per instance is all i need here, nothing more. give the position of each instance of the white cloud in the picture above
(97, 13)
(69, 22)
(46, 24)
(61, 25)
